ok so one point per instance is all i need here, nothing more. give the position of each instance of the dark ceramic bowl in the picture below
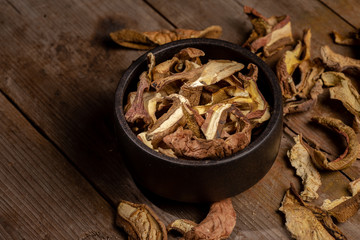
(209, 180)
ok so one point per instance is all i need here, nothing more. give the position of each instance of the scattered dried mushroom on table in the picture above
(188, 109)
(147, 40)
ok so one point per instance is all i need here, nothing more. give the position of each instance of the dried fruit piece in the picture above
(301, 160)
(218, 224)
(300, 221)
(271, 34)
(342, 89)
(181, 225)
(337, 61)
(137, 112)
(352, 39)
(344, 160)
(147, 40)
(140, 222)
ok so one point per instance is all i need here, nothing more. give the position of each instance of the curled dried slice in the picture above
(140, 222)
(328, 204)
(346, 209)
(351, 152)
(181, 225)
(137, 112)
(304, 105)
(337, 61)
(169, 121)
(215, 121)
(147, 40)
(301, 160)
(310, 73)
(300, 221)
(218, 224)
(352, 39)
(354, 186)
(342, 89)
(216, 70)
(271, 34)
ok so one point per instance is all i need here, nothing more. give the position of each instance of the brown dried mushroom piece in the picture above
(300, 159)
(300, 221)
(270, 34)
(344, 160)
(181, 225)
(169, 121)
(352, 39)
(289, 62)
(337, 61)
(147, 40)
(137, 112)
(304, 105)
(310, 73)
(342, 89)
(218, 224)
(140, 222)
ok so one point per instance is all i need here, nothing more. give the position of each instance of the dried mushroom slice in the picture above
(304, 105)
(300, 221)
(328, 204)
(289, 62)
(354, 186)
(285, 69)
(338, 62)
(300, 159)
(151, 101)
(216, 70)
(140, 222)
(137, 113)
(342, 89)
(352, 39)
(344, 160)
(270, 34)
(169, 121)
(218, 224)
(181, 225)
(346, 209)
(147, 40)
(185, 144)
(310, 73)
(215, 120)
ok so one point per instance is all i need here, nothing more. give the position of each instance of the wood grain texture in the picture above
(347, 9)
(61, 69)
(42, 195)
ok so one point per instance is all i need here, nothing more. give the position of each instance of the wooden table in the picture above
(62, 174)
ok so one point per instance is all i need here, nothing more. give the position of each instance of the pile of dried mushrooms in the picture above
(189, 109)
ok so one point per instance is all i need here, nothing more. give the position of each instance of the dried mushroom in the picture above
(147, 40)
(169, 114)
(269, 34)
(301, 160)
(338, 62)
(352, 39)
(342, 89)
(181, 225)
(354, 186)
(344, 160)
(289, 62)
(140, 222)
(300, 221)
(218, 224)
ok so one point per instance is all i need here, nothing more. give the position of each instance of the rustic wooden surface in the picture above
(62, 174)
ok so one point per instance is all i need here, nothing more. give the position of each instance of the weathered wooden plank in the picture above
(347, 9)
(42, 195)
(62, 71)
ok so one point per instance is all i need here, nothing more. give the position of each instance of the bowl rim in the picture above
(270, 129)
